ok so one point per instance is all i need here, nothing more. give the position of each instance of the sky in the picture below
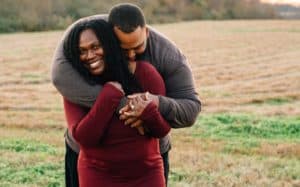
(292, 2)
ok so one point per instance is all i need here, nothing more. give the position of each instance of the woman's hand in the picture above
(116, 85)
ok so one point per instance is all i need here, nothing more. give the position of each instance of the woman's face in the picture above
(91, 52)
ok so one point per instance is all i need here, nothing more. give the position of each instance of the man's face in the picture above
(91, 52)
(133, 43)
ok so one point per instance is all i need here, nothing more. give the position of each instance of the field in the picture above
(247, 74)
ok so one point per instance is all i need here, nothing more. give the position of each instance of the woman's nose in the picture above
(90, 54)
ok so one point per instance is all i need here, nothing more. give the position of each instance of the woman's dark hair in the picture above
(116, 65)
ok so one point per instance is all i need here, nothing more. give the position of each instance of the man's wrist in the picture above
(155, 99)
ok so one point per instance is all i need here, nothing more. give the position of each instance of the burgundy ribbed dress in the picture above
(112, 154)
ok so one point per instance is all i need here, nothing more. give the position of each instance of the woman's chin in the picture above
(98, 71)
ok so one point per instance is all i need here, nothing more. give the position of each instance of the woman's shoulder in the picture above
(146, 71)
(145, 67)
(149, 78)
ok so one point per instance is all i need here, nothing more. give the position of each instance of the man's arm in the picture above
(181, 105)
(67, 80)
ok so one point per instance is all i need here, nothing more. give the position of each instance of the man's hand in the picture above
(136, 104)
(133, 121)
(140, 128)
(147, 96)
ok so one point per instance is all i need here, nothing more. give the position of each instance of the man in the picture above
(139, 42)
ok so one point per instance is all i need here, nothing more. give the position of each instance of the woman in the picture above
(111, 153)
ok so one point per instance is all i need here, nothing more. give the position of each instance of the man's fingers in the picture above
(126, 108)
(131, 114)
(123, 117)
(141, 130)
(144, 96)
(130, 121)
(136, 123)
(132, 96)
(127, 112)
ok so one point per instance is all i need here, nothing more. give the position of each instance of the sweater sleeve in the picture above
(88, 127)
(181, 105)
(154, 121)
(152, 82)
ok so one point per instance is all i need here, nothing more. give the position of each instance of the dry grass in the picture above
(239, 66)
(238, 63)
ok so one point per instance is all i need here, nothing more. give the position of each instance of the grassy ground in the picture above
(246, 72)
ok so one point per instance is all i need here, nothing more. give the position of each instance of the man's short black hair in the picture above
(127, 17)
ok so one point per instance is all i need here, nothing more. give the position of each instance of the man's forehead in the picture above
(131, 39)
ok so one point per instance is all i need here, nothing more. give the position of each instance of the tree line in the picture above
(33, 15)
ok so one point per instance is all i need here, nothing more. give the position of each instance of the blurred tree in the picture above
(33, 15)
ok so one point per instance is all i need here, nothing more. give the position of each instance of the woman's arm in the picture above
(87, 127)
(152, 82)
(153, 121)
